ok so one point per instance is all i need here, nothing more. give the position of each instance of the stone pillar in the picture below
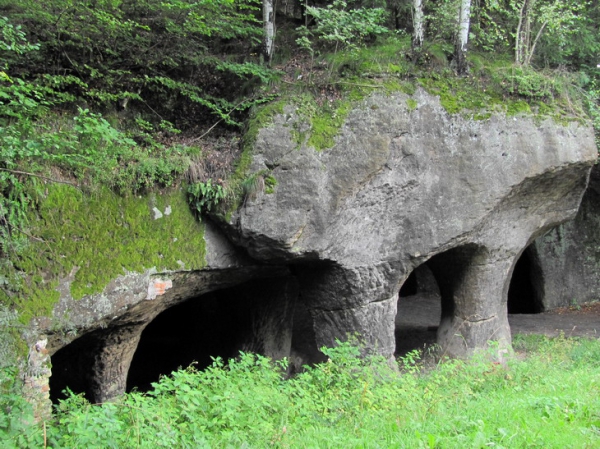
(36, 387)
(271, 312)
(348, 301)
(474, 287)
(111, 361)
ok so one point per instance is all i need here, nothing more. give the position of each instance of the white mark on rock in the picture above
(156, 214)
(168, 210)
(158, 287)
(41, 345)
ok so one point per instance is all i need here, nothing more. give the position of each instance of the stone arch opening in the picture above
(188, 333)
(96, 363)
(526, 288)
(419, 311)
(71, 368)
(410, 287)
(255, 316)
(461, 306)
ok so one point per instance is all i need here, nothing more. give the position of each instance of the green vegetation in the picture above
(547, 396)
(11, 343)
(326, 124)
(90, 239)
(204, 197)
(340, 27)
(178, 60)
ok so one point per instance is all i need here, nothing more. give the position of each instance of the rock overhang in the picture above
(402, 184)
(405, 176)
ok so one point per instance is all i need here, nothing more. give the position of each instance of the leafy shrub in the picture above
(17, 428)
(179, 58)
(204, 197)
(338, 27)
(348, 401)
(526, 82)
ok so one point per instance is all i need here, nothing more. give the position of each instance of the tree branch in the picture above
(18, 172)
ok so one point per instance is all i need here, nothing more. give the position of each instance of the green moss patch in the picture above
(326, 124)
(262, 118)
(98, 237)
(458, 94)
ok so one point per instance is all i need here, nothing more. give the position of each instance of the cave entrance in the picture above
(254, 316)
(72, 368)
(208, 326)
(526, 288)
(419, 311)
(428, 315)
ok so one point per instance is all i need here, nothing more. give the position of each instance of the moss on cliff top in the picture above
(94, 238)
(324, 90)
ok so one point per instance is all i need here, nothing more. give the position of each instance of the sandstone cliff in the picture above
(325, 250)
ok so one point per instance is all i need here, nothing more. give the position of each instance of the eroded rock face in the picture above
(569, 255)
(92, 341)
(401, 187)
(327, 252)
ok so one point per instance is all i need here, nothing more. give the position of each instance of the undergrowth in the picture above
(544, 396)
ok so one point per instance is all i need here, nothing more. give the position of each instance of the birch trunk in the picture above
(418, 26)
(464, 21)
(522, 44)
(269, 29)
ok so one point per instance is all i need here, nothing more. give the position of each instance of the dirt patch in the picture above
(419, 316)
(592, 309)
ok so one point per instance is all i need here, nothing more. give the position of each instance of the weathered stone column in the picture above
(474, 285)
(111, 360)
(36, 377)
(348, 301)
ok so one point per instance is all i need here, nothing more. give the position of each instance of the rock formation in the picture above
(568, 256)
(402, 187)
(327, 250)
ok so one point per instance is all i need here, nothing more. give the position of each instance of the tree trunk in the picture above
(269, 28)
(523, 36)
(418, 26)
(462, 40)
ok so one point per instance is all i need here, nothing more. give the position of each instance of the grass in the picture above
(546, 396)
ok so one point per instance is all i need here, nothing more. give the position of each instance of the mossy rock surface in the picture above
(94, 238)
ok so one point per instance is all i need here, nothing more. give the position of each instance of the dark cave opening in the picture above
(71, 368)
(215, 324)
(419, 311)
(255, 316)
(525, 291)
(410, 286)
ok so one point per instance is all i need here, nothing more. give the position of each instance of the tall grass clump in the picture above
(545, 396)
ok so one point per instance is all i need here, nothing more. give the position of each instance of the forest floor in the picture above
(419, 316)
